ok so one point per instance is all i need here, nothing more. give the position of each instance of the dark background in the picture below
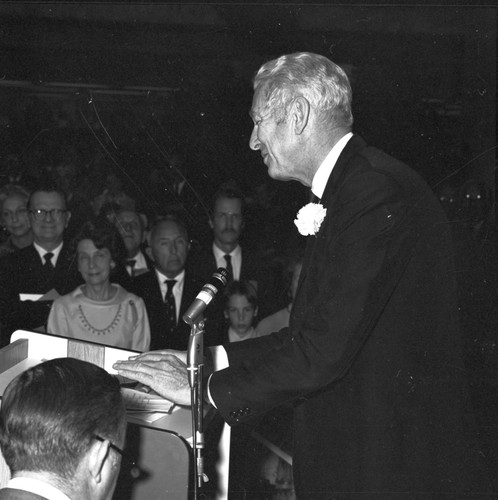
(140, 81)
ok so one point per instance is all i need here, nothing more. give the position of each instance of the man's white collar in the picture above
(322, 175)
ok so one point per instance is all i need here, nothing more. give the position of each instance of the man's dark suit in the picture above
(371, 357)
(23, 273)
(147, 287)
(15, 494)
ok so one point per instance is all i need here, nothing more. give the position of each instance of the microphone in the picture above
(215, 284)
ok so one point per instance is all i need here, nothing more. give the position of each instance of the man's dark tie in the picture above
(229, 267)
(48, 261)
(314, 198)
(169, 302)
(130, 263)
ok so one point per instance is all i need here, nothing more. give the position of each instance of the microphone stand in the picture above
(195, 366)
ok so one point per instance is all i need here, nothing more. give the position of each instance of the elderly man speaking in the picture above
(371, 358)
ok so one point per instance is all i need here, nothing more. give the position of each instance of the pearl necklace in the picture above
(100, 331)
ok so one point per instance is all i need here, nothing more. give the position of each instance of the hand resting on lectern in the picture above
(163, 371)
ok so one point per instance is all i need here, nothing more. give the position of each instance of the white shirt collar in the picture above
(219, 254)
(41, 252)
(325, 169)
(180, 278)
(140, 262)
(177, 288)
(236, 255)
(38, 487)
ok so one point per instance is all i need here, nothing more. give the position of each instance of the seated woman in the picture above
(14, 218)
(101, 311)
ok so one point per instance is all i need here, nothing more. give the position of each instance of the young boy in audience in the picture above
(240, 310)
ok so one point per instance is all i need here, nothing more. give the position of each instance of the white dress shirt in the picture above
(140, 264)
(236, 255)
(38, 487)
(41, 251)
(177, 288)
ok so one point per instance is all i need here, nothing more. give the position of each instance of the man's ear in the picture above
(96, 457)
(148, 251)
(300, 114)
(210, 221)
(68, 218)
(143, 220)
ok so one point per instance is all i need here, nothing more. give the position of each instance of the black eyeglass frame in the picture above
(111, 445)
(40, 214)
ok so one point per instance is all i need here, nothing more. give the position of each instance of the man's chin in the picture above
(278, 176)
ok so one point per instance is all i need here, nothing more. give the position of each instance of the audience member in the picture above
(33, 276)
(131, 226)
(100, 310)
(62, 430)
(227, 224)
(240, 310)
(169, 289)
(15, 219)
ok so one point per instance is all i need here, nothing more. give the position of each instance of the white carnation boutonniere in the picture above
(310, 218)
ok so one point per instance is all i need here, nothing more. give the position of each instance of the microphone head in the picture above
(222, 275)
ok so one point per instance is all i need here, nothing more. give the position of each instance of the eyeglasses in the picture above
(41, 214)
(113, 446)
(128, 464)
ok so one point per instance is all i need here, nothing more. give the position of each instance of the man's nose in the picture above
(254, 143)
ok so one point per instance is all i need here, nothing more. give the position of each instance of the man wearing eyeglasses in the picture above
(60, 440)
(33, 277)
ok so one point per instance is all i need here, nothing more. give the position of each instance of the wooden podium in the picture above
(157, 461)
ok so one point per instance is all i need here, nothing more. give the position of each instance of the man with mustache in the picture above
(227, 222)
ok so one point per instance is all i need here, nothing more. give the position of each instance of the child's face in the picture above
(240, 313)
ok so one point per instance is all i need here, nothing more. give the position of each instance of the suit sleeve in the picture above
(342, 291)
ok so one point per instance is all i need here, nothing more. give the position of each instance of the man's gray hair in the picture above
(323, 83)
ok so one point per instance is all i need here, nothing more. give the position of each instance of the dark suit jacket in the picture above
(371, 358)
(23, 272)
(15, 494)
(147, 287)
(203, 264)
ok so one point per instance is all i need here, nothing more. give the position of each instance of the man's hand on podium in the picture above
(163, 371)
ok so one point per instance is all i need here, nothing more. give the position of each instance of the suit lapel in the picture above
(353, 146)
